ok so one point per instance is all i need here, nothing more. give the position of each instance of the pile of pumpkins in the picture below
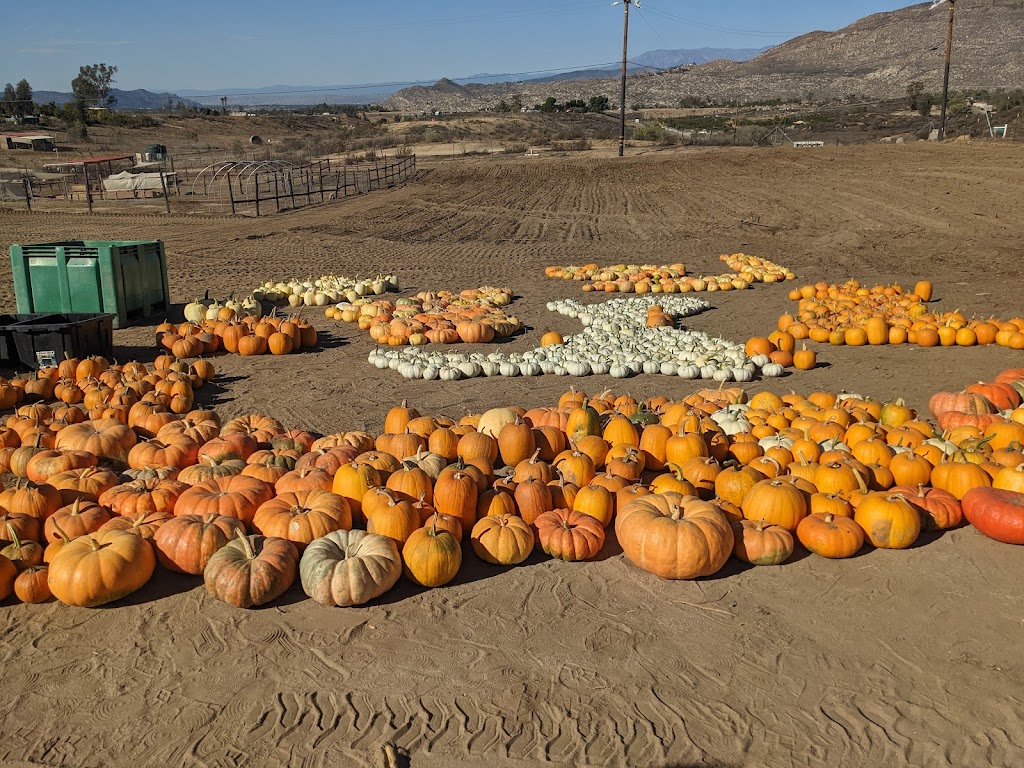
(473, 316)
(324, 290)
(250, 506)
(203, 309)
(244, 335)
(621, 337)
(855, 315)
(622, 278)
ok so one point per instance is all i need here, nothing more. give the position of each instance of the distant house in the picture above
(36, 142)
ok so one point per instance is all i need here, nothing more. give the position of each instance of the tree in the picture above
(224, 105)
(598, 104)
(7, 105)
(503, 107)
(93, 85)
(549, 105)
(23, 99)
(516, 103)
(914, 92)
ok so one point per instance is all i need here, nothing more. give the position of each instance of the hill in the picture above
(138, 99)
(875, 57)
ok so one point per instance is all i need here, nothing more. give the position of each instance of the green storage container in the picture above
(125, 278)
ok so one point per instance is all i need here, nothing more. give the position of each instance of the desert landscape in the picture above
(890, 657)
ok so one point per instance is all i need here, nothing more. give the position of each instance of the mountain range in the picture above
(875, 57)
(294, 95)
(137, 99)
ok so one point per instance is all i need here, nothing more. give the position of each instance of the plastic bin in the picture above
(41, 340)
(125, 278)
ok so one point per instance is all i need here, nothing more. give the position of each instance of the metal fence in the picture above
(259, 188)
(235, 187)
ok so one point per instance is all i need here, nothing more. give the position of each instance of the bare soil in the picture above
(890, 658)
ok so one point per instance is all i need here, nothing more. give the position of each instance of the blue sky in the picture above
(222, 44)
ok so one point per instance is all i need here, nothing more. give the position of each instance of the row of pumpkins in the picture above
(246, 335)
(671, 278)
(324, 290)
(250, 506)
(855, 315)
(621, 337)
(473, 316)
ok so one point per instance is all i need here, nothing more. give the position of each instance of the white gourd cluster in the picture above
(324, 290)
(615, 340)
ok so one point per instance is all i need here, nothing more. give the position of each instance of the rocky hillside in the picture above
(877, 56)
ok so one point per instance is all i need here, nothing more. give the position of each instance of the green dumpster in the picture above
(125, 278)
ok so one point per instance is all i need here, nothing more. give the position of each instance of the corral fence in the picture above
(238, 187)
(259, 188)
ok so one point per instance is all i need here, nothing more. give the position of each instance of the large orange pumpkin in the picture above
(100, 568)
(674, 536)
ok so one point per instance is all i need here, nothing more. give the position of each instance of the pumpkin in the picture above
(152, 454)
(100, 568)
(87, 484)
(758, 544)
(236, 496)
(76, 519)
(346, 568)
(23, 554)
(596, 501)
(141, 497)
(307, 479)
(996, 513)
(395, 518)
(431, 557)
(107, 438)
(144, 526)
(8, 575)
(569, 535)
(45, 464)
(186, 543)
(674, 536)
(777, 502)
(251, 570)
(303, 516)
(831, 536)
(27, 498)
(889, 521)
(352, 481)
(32, 585)
(939, 509)
(457, 493)
(502, 539)
(26, 526)
(734, 483)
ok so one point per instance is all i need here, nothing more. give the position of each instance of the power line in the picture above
(716, 28)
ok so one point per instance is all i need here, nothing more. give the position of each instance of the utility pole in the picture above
(949, 55)
(622, 92)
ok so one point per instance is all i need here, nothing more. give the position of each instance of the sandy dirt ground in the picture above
(890, 658)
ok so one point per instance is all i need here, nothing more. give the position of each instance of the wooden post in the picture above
(291, 188)
(88, 192)
(28, 192)
(231, 194)
(163, 186)
(277, 198)
(308, 174)
(257, 176)
(320, 170)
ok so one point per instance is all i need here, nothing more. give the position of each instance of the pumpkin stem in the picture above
(760, 525)
(250, 554)
(14, 536)
(829, 517)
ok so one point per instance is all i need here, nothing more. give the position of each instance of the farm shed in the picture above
(36, 142)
